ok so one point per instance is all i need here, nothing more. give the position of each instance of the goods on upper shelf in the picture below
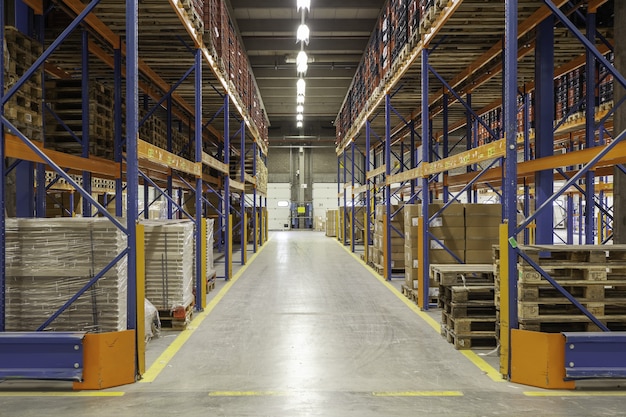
(220, 37)
(24, 108)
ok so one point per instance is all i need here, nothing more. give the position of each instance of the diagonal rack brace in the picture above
(562, 290)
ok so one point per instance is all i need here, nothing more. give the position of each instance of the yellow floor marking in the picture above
(169, 353)
(575, 393)
(419, 394)
(246, 394)
(481, 364)
(492, 373)
(62, 394)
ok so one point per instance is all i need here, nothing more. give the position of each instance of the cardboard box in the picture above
(440, 256)
(483, 215)
(482, 233)
(410, 257)
(449, 233)
(478, 256)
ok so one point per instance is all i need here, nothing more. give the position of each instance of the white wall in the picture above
(324, 198)
(278, 217)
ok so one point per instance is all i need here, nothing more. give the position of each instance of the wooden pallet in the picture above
(571, 324)
(210, 284)
(468, 325)
(406, 291)
(555, 308)
(585, 292)
(475, 340)
(462, 274)
(474, 309)
(463, 294)
(176, 319)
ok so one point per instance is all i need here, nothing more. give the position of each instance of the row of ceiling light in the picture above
(302, 61)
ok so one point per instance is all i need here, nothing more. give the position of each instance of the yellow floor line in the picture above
(169, 353)
(419, 394)
(246, 394)
(479, 362)
(63, 394)
(575, 393)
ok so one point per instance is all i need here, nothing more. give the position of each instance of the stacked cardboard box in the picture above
(48, 261)
(482, 223)
(448, 228)
(331, 223)
(169, 263)
(411, 214)
(397, 241)
(320, 224)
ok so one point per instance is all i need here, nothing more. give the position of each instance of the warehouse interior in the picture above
(309, 207)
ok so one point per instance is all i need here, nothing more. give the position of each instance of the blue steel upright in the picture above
(198, 159)
(2, 182)
(353, 222)
(368, 207)
(255, 151)
(226, 206)
(544, 122)
(424, 287)
(86, 119)
(509, 182)
(242, 200)
(446, 146)
(388, 208)
(590, 133)
(117, 134)
(132, 169)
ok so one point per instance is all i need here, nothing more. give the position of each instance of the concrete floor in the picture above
(307, 330)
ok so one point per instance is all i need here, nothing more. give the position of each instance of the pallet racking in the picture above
(184, 121)
(481, 77)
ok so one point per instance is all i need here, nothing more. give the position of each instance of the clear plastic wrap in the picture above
(169, 263)
(210, 258)
(49, 260)
(151, 321)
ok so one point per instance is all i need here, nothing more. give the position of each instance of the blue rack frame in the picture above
(33, 204)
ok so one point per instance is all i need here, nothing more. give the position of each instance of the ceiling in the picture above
(340, 31)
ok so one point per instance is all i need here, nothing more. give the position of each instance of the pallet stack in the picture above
(466, 297)
(594, 275)
(194, 9)
(411, 214)
(49, 260)
(211, 273)
(169, 270)
(23, 109)
(65, 99)
(331, 223)
(397, 242)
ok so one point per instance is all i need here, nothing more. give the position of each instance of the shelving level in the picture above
(134, 94)
(433, 117)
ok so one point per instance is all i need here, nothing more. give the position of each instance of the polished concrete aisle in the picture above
(307, 330)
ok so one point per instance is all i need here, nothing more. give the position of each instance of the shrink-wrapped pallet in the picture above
(48, 261)
(169, 247)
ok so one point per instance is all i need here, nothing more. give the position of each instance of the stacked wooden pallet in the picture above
(466, 297)
(24, 108)
(65, 99)
(49, 260)
(594, 275)
(169, 269)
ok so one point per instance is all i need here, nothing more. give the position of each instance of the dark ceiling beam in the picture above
(311, 84)
(288, 26)
(330, 45)
(274, 60)
(316, 5)
(289, 73)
